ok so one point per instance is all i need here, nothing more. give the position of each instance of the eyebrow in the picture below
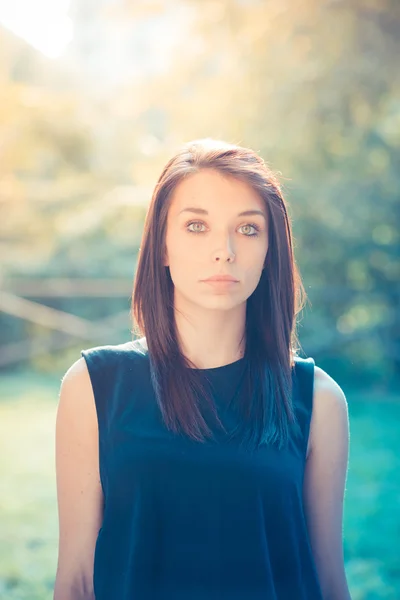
(202, 211)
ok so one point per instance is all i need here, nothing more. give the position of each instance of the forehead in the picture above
(210, 189)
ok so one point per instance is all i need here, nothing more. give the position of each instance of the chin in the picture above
(220, 302)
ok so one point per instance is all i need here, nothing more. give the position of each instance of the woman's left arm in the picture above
(324, 484)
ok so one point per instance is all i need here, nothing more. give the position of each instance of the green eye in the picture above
(199, 224)
(194, 223)
(253, 226)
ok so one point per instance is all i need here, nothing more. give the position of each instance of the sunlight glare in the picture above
(42, 23)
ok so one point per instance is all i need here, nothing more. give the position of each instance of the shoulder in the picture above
(76, 375)
(94, 364)
(111, 355)
(110, 351)
(76, 406)
(328, 395)
(330, 411)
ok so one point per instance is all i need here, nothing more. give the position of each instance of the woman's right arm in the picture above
(79, 492)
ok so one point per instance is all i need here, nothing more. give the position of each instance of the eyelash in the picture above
(256, 227)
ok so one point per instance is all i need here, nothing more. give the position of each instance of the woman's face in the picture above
(207, 235)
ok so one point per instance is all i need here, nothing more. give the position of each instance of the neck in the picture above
(211, 338)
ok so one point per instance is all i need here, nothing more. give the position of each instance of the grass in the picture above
(28, 507)
(372, 514)
(28, 512)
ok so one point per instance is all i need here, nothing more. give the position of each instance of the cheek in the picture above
(175, 241)
(182, 263)
(254, 268)
(184, 250)
(252, 276)
(254, 257)
(181, 255)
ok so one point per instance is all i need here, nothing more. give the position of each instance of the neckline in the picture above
(221, 368)
(210, 370)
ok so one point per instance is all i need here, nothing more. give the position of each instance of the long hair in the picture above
(267, 411)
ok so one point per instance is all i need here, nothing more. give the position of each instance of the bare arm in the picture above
(324, 484)
(79, 493)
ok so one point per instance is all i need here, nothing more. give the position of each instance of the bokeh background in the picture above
(96, 95)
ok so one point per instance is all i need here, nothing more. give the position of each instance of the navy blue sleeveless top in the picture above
(185, 520)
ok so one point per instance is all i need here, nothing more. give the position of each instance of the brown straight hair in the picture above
(266, 411)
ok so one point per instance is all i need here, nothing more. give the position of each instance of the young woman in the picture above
(205, 460)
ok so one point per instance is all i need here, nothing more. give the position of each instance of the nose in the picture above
(224, 254)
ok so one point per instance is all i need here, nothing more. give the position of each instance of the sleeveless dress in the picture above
(185, 520)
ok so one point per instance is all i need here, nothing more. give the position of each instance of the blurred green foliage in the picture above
(313, 87)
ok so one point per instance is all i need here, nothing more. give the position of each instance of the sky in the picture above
(42, 23)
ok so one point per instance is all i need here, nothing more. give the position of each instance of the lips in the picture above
(222, 278)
